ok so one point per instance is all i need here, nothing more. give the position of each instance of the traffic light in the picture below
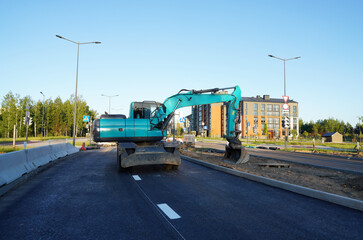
(287, 122)
(283, 123)
(30, 121)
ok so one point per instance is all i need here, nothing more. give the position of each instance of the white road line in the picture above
(168, 211)
(136, 177)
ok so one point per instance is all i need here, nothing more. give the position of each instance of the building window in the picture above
(270, 123)
(245, 108)
(269, 110)
(262, 109)
(294, 110)
(276, 108)
(255, 106)
(276, 123)
(255, 113)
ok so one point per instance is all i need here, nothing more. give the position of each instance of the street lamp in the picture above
(75, 95)
(284, 60)
(109, 101)
(43, 114)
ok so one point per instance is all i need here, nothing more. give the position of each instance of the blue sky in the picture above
(152, 49)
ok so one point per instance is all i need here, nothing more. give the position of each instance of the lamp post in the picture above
(75, 95)
(109, 101)
(43, 114)
(284, 60)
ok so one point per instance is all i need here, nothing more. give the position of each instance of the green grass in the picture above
(79, 143)
(318, 151)
(22, 139)
(290, 142)
(209, 138)
(8, 149)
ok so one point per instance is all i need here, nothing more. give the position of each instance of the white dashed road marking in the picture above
(136, 177)
(168, 211)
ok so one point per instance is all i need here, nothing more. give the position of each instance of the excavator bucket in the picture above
(235, 152)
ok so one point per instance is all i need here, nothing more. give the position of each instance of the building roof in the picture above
(262, 99)
(329, 134)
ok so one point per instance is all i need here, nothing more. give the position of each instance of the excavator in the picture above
(140, 137)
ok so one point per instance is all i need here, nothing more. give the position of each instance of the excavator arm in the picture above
(185, 98)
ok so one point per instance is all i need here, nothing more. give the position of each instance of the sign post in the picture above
(285, 112)
(27, 122)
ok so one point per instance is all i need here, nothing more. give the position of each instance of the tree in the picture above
(305, 134)
(9, 109)
(301, 124)
(58, 116)
(294, 134)
(265, 129)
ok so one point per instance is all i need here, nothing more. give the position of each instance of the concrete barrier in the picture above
(39, 156)
(59, 150)
(16, 167)
(71, 149)
(13, 165)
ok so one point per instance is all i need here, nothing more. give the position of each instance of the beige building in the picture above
(256, 113)
(333, 137)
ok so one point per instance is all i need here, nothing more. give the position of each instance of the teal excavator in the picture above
(140, 138)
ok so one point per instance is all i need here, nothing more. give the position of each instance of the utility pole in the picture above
(75, 94)
(109, 101)
(287, 114)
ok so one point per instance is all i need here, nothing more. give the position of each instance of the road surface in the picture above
(84, 197)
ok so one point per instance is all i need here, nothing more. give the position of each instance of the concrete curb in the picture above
(329, 197)
(311, 165)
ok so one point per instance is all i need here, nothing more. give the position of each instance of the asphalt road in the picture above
(84, 197)
(339, 163)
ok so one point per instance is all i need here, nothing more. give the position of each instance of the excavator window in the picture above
(144, 109)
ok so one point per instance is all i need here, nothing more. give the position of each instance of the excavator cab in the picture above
(143, 109)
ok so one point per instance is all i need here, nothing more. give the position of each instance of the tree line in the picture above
(316, 129)
(58, 116)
